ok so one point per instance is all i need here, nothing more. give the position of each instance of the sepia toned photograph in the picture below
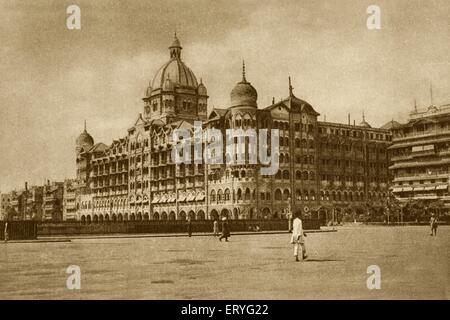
(225, 150)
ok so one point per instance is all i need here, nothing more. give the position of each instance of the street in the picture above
(412, 263)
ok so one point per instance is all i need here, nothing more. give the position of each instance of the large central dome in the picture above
(175, 71)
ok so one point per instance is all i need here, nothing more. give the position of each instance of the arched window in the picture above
(286, 158)
(304, 143)
(286, 194)
(239, 194)
(278, 194)
(285, 175)
(305, 195)
(227, 194)
(213, 196)
(305, 175)
(219, 195)
(247, 194)
(298, 175)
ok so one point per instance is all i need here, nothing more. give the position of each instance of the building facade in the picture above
(52, 207)
(69, 200)
(5, 205)
(323, 166)
(24, 204)
(420, 161)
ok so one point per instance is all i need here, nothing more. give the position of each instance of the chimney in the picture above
(26, 185)
(349, 119)
(48, 183)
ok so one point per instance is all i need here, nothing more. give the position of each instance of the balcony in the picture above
(421, 134)
(414, 164)
(49, 198)
(426, 176)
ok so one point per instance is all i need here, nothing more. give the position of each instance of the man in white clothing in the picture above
(298, 237)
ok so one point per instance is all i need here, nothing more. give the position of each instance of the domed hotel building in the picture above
(324, 167)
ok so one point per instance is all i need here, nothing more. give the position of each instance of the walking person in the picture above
(298, 237)
(225, 230)
(433, 225)
(216, 228)
(189, 227)
(6, 232)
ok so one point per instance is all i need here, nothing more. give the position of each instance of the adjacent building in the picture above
(69, 200)
(23, 204)
(420, 156)
(53, 201)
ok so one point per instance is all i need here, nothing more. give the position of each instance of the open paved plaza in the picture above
(413, 265)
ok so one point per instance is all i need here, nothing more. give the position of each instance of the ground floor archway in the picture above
(214, 215)
(200, 215)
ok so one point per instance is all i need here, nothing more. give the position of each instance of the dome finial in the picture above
(243, 71)
(364, 117)
(85, 125)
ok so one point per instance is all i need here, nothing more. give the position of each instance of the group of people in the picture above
(225, 229)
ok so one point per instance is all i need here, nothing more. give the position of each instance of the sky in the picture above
(52, 78)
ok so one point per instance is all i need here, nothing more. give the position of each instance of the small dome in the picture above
(243, 94)
(364, 124)
(202, 89)
(84, 140)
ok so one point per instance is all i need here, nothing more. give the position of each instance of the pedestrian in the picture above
(189, 226)
(6, 232)
(216, 228)
(225, 230)
(433, 225)
(298, 237)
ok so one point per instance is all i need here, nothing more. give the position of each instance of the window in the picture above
(278, 194)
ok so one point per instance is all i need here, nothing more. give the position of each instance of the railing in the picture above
(19, 230)
(165, 226)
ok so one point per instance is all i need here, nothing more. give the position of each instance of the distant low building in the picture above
(24, 204)
(5, 205)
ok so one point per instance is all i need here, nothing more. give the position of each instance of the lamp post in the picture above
(289, 215)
